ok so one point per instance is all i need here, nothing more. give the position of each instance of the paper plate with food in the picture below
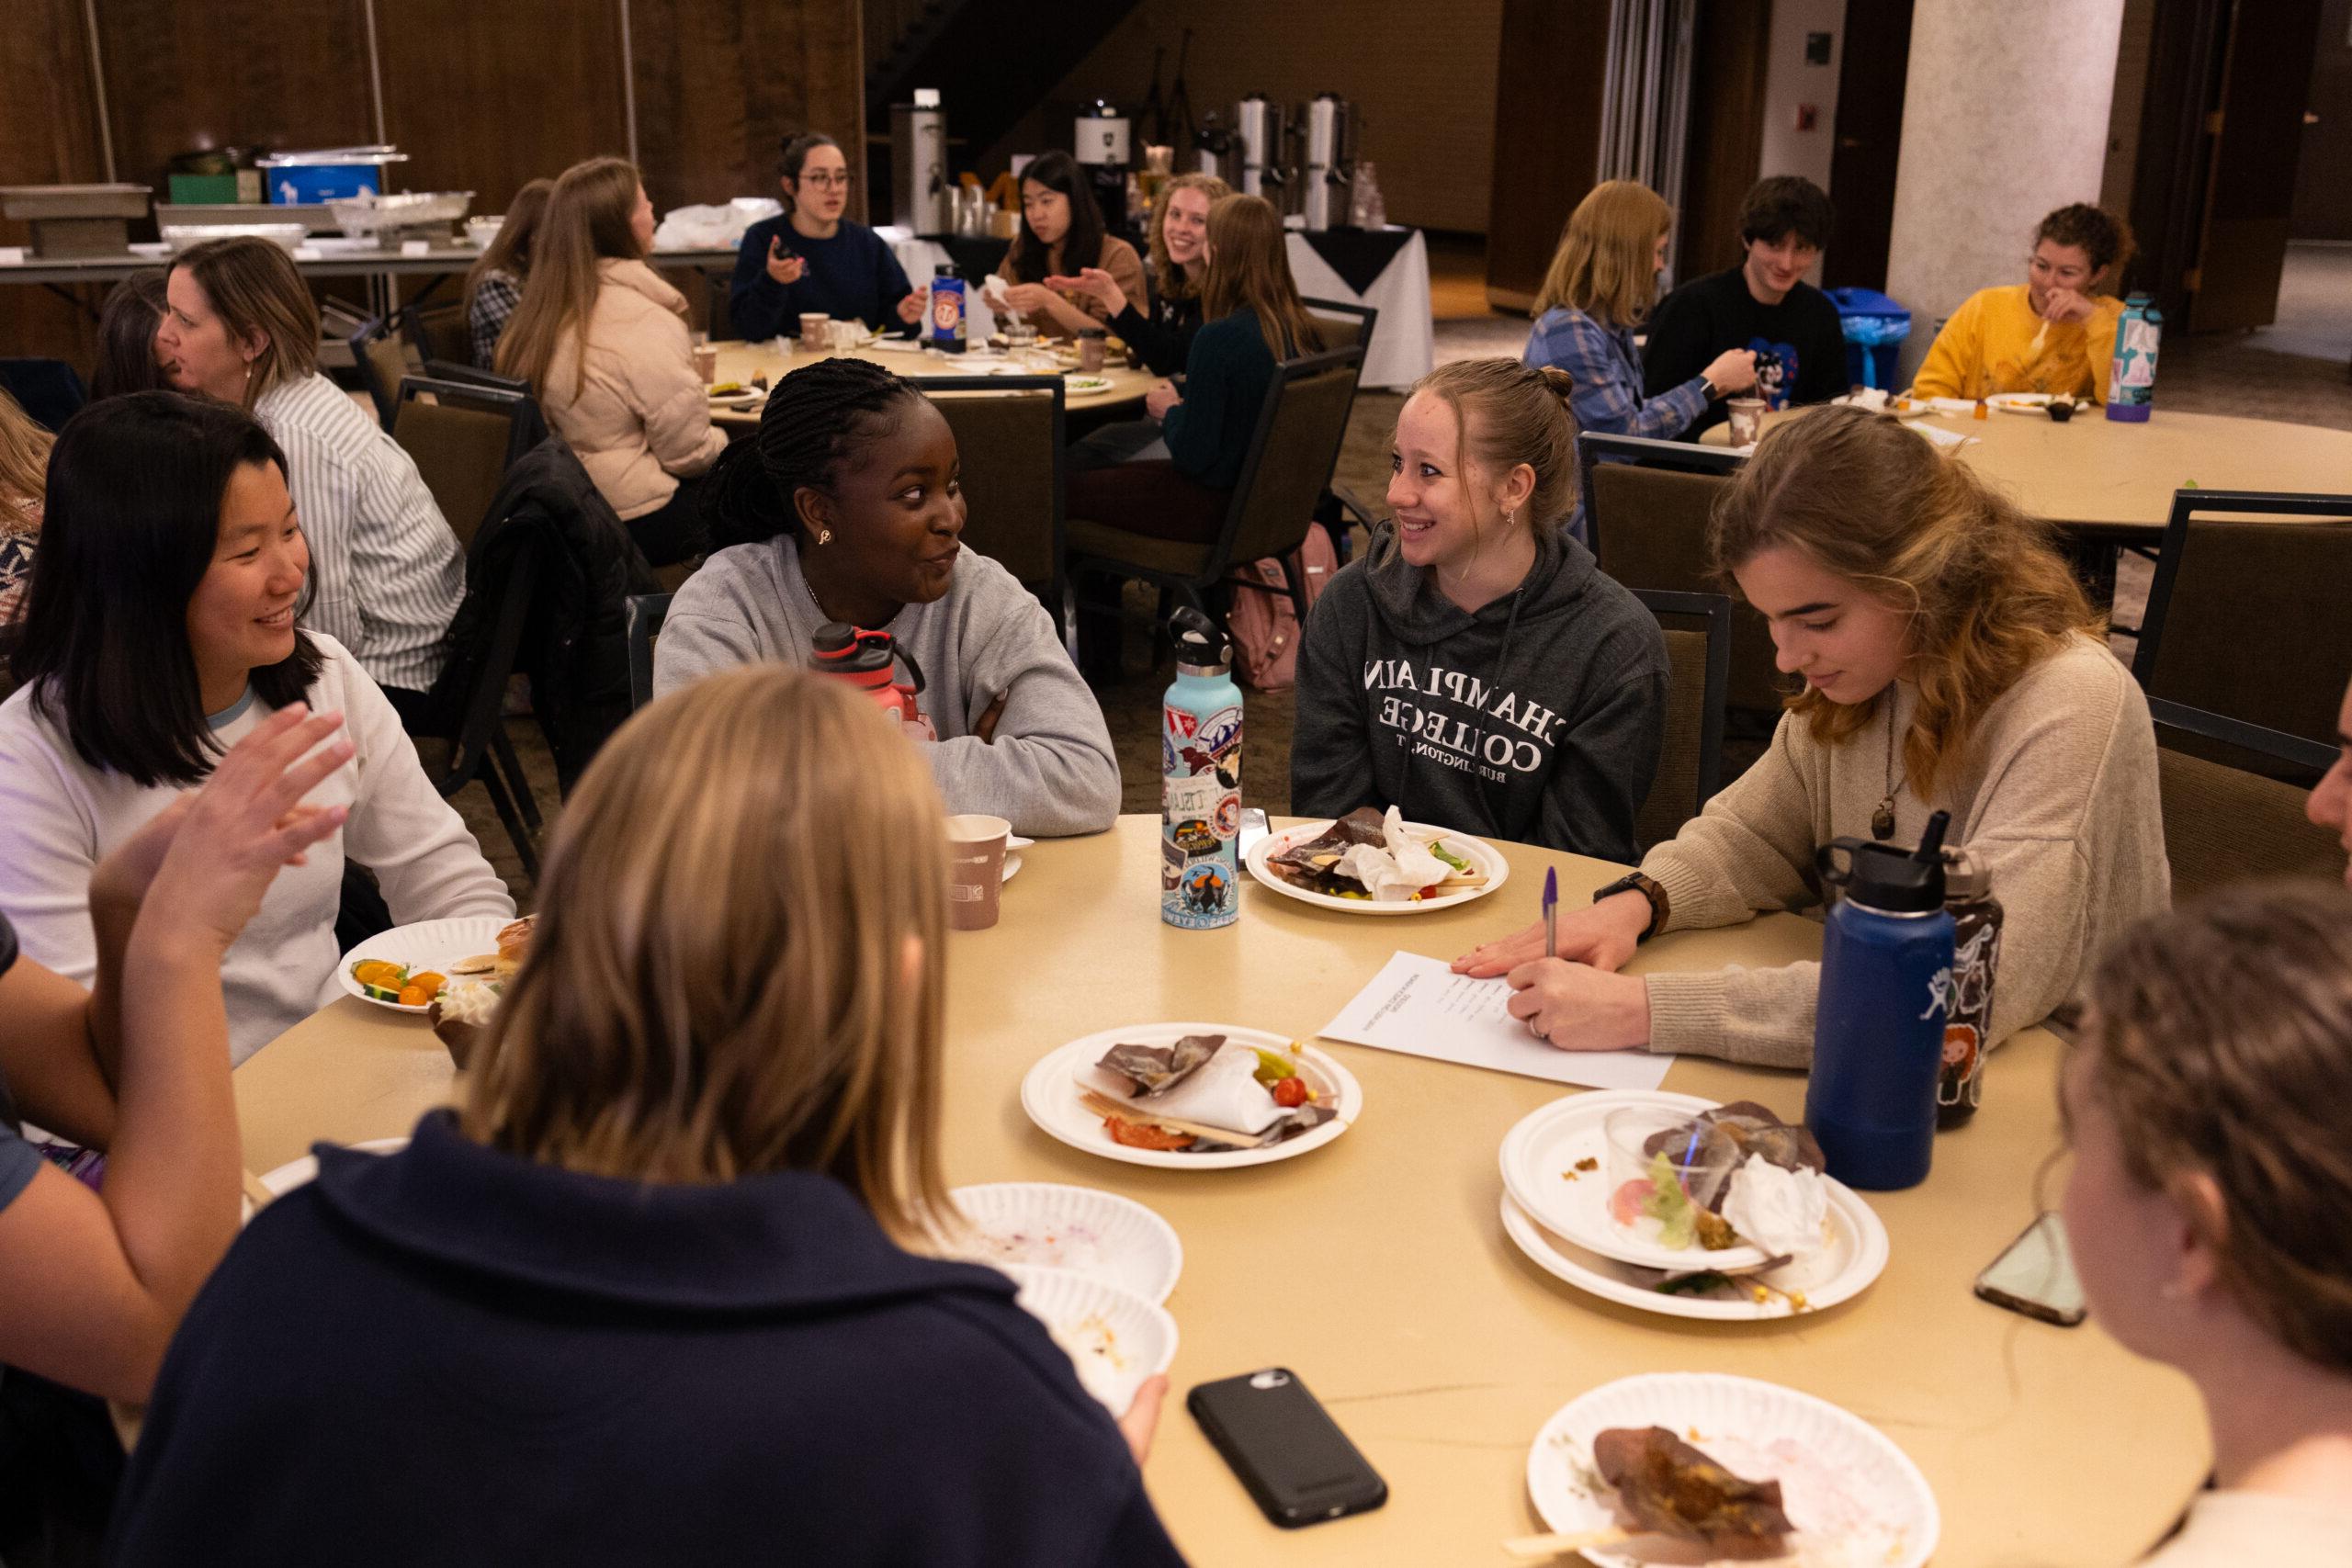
(1114, 1338)
(735, 395)
(1698, 1467)
(1077, 384)
(1673, 1182)
(408, 967)
(2034, 403)
(1051, 1225)
(1191, 1096)
(1368, 862)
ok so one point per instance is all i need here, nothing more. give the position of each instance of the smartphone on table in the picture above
(2036, 1276)
(1297, 1465)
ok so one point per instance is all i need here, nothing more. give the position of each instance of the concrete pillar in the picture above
(2005, 117)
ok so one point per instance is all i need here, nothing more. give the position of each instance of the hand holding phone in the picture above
(1299, 1466)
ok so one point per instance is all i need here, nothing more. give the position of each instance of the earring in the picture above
(824, 535)
(1510, 517)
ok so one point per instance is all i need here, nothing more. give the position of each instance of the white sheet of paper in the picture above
(1419, 1007)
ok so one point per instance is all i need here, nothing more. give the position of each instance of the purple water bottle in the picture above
(1877, 1033)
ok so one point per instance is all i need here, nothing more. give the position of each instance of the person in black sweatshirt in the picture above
(662, 1288)
(814, 260)
(1476, 669)
(1158, 332)
(1762, 304)
(1255, 319)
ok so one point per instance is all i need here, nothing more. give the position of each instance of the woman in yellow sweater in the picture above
(2053, 332)
(1950, 664)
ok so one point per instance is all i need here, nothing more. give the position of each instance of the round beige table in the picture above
(2098, 477)
(743, 361)
(1377, 1266)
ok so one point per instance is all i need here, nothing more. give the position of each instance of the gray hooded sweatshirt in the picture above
(1537, 718)
(1050, 770)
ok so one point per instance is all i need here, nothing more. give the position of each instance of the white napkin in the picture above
(1397, 872)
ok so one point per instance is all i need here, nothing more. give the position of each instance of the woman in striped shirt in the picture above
(386, 574)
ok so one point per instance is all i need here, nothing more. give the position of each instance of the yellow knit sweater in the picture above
(1986, 347)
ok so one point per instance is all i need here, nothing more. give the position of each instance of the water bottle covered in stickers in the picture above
(1200, 779)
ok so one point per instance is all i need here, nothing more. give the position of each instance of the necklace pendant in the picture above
(1883, 820)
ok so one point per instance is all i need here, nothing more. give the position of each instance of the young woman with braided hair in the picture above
(847, 507)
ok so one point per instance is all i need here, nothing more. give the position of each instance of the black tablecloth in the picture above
(1357, 256)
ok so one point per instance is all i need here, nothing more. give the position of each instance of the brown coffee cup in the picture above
(1747, 420)
(816, 331)
(975, 869)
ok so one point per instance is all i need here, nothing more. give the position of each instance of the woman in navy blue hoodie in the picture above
(648, 1296)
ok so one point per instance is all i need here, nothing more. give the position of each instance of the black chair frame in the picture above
(1716, 610)
(386, 399)
(642, 614)
(2186, 505)
(1594, 446)
(479, 748)
(525, 425)
(1350, 507)
(1220, 572)
(2275, 744)
(1057, 589)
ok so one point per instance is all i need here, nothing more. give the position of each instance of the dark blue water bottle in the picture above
(1878, 1035)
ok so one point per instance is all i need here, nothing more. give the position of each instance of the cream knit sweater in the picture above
(2057, 795)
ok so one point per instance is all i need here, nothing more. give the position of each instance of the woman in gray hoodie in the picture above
(849, 506)
(1476, 669)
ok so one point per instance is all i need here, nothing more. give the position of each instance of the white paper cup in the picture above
(975, 869)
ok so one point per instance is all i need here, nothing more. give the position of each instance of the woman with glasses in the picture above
(2053, 332)
(812, 260)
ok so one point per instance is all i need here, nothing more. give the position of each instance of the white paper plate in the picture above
(1963, 407)
(1049, 1094)
(1543, 1148)
(1078, 385)
(1855, 1257)
(1012, 848)
(1081, 1230)
(1477, 852)
(2032, 402)
(1857, 1500)
(300, 1172)
(428, 944)
(1127, 1338)
(736, 400)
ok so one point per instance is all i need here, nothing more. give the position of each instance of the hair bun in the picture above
(1559, 383)
(740, 505)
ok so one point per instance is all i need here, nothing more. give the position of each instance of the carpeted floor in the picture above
(2237, 375)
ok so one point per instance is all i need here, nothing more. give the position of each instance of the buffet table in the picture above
(1377, 1268)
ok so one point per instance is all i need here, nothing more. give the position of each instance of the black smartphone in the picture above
(2036, 1276)
(1298, 1464)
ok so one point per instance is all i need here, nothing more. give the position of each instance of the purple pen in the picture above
(1551, 912)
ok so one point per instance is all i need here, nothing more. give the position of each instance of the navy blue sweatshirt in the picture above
(851, 276)
(454, 1356)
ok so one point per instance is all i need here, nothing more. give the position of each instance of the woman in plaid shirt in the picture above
(1602, 285)
(494, 286)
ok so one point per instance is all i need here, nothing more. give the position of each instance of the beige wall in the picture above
(1423, 79)
(1790, 81)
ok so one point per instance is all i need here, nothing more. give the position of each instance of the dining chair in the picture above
(466, 740)
(2250, 617)
(1343, 324)
(463, 437)
(383, 361)
(1008, 438)
(2226, 824)
(1300, 427)
(1698, 629)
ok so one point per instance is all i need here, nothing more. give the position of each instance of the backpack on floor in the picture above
(1265, 625)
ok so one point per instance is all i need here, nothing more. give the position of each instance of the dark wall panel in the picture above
(1547, 136)
(718, 83)
(1725, 150)
(49, 135)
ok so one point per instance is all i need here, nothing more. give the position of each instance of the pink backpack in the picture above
(1265, 625)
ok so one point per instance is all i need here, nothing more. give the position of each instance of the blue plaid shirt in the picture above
(1607, 369)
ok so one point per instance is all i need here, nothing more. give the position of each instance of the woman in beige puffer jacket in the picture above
(602, 341)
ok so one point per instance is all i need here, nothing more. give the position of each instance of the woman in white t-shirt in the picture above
(2210, 1210)
(160, 630)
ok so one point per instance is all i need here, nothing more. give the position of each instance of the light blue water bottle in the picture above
(1200, 779)
(2132, 378)
(1878, 1032)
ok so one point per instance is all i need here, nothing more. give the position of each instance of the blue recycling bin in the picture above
(1874, 325)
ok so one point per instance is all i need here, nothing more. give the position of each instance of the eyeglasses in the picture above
(829, 179)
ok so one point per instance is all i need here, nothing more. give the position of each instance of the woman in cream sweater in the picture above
(1950, 663)
(602, 342)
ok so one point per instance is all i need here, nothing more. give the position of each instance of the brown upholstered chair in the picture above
(462, 437)
(2248, 618)
(2224, 824)
(1689, 765)
(1343, 324)
(1649, 528)
(438, 332)
(1290, 460)
(383, 361)
(1009, 442)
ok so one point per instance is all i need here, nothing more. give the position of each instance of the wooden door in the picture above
(1547, 137)
(1724, 152)
(2258, 132)
(1869, 141)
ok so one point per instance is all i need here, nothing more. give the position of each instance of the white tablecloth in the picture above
(1403, 345)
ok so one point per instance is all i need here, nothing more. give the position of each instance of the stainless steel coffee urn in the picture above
(1216, 150)
(1100, 143)
(920, 193)
(1331, 128)
(1261, 126)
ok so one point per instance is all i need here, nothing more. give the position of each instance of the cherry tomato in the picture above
(1291, 1093)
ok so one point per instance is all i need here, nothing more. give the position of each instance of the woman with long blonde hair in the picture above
(1950, 663)
(1255, 320)
(661, 1272)
(602, 340)
(1602, 282)
(24, 480)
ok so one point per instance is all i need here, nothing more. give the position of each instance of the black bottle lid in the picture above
(1887, 876)
(1200, 647)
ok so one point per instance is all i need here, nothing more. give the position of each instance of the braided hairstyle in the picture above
(817, 417)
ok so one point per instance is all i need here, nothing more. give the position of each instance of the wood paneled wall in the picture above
(482, 94)
(1547, 137)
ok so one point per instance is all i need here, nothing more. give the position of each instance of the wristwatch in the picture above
(1647, 886)
(1708, 382)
